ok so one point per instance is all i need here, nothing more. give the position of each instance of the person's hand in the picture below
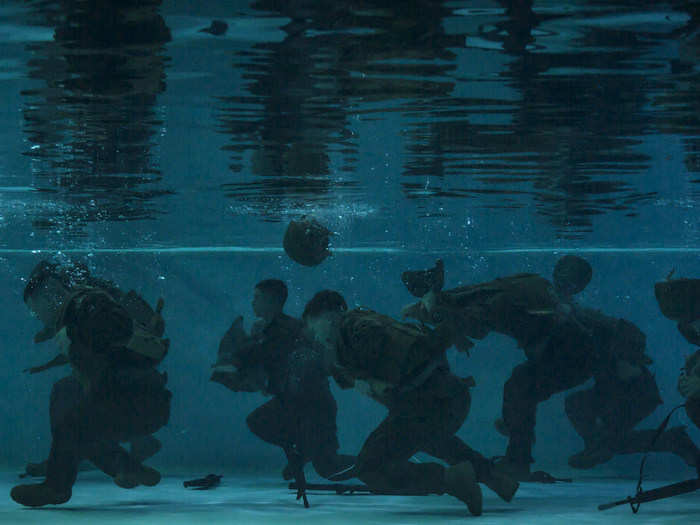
(236, 329)
(157, 323)
(414, 311)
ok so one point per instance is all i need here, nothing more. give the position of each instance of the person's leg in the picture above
(109, 417)
(627, 404)
(66, 409)
(519, 411)
(583, 409)
(126, 470)
(383, 462)
(453, 450)
(531, 383)
(674, 440)
(66, 400)
(319, 441)
(317, 434)
(144, 447)
(122, 410)
(445, 445)
(606, 415)
(269, 423)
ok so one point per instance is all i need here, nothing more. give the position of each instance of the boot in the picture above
(515, 470)
(592, 455)
(38, 495)
(145, 447)
(460, 482)
(501, 483)
(141, 475)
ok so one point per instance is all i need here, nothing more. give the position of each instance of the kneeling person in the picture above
(404, 367)
(115, 394)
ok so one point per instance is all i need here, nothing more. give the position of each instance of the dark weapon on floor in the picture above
(667, 491)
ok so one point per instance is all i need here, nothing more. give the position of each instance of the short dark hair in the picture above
(273, 287)
(323, 302)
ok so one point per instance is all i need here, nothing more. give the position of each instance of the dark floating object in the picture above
(306, 241)
(571, 275)
(420, 282)
(206, 483)
(679, 299)
(217, 28)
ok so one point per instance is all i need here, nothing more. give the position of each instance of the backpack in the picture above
(148, 325)
(379, 347)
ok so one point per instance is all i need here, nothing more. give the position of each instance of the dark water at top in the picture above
(396, 122)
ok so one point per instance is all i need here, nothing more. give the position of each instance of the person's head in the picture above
(571, 275)
(269, 297)
(48, 287)
(322, 315)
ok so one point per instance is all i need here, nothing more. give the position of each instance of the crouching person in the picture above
(404, 367)
(114, 394)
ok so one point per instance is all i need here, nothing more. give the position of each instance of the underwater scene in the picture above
(364, 261)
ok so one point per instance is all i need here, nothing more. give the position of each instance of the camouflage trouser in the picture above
(91, 426)
(605, 417)
(531, 383)
(611, 409)
(310, 427)
(423, 420)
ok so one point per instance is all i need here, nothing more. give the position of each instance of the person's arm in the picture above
(59, 360)
(252, 379)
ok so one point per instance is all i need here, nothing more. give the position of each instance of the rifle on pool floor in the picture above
(667, 491)
(350, 488)
(338, 488)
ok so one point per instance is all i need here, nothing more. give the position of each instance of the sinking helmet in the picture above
(571, 275)
(306, 241)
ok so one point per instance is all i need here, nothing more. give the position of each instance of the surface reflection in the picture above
(510, 107)
(91, 122)
(515, 105)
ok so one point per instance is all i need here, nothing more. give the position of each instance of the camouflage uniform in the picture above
(404, 367)
(606, 414)
(114, 395)
(565, 346)
(679, 300)
(525, 307)
(301, 416)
